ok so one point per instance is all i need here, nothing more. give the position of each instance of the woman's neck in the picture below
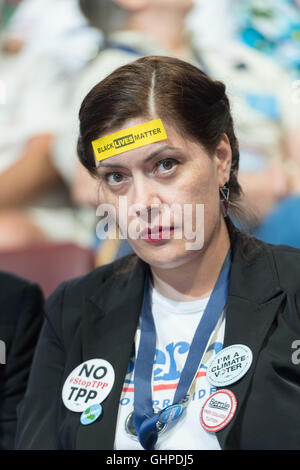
(196, 278)
(167, 28)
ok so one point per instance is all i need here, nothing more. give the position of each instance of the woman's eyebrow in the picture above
(149, 158)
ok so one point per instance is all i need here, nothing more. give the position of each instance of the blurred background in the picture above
(52, 52)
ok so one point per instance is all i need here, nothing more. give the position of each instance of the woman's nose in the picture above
(145, 198)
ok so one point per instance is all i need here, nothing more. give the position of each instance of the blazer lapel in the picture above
(247, 323)
(109, 327)
(255, 298)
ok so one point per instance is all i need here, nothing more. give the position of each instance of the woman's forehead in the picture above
(167, 142)
(140, 156)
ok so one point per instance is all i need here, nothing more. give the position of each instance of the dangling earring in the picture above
(224, 197)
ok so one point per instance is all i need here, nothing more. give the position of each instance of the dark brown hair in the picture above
(171, 89)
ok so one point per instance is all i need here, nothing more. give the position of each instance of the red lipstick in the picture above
(157, 234)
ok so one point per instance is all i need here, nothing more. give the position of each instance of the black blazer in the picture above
(96, 316)
(21, 317)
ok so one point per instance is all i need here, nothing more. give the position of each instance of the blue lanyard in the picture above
(122, 47)
(145, 421)
(132, 50)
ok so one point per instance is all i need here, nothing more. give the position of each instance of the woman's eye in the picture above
(166, 165)
(114, 178)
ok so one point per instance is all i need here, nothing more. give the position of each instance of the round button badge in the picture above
(171, 413)
(88, 384)
(229, 365)
(218, 410)
(91, 414)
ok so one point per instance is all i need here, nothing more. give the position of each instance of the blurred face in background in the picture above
(183, 4)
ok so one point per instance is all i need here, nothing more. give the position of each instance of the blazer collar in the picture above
(253, 272)
(254, 299)
(111, 318)
(247, 323)
(110, 321)
(115, 307)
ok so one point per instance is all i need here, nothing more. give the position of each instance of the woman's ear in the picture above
(223, 156)
(132, 5)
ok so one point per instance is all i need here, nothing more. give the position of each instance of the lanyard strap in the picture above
(139, 53)
(144, 419)
(123, 47)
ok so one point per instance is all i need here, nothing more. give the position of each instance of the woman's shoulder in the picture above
(70, 303)
(287, 264)
(282, 262)
(263, 265)
(88, 284)
(69, 300)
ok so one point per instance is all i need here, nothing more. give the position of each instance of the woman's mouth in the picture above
(156, 234)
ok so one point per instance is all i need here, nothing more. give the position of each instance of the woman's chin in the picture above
(170, 254)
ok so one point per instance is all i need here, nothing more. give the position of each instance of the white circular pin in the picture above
(218, 410)
(229, 365)
(88, 384)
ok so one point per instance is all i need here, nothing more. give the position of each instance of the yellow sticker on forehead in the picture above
(129, 139)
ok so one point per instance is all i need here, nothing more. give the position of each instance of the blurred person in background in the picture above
(212, 22)
(270, 26)
(273, 28)
(21, 317)
(50, 25)
(43, 46)
(7, 8)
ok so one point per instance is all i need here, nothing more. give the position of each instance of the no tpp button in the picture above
(88, 384)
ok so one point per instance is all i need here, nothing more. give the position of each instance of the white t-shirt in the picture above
(175, 324)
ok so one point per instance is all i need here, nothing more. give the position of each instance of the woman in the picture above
(156, 350)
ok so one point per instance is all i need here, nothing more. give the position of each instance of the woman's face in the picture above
(165, 192)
